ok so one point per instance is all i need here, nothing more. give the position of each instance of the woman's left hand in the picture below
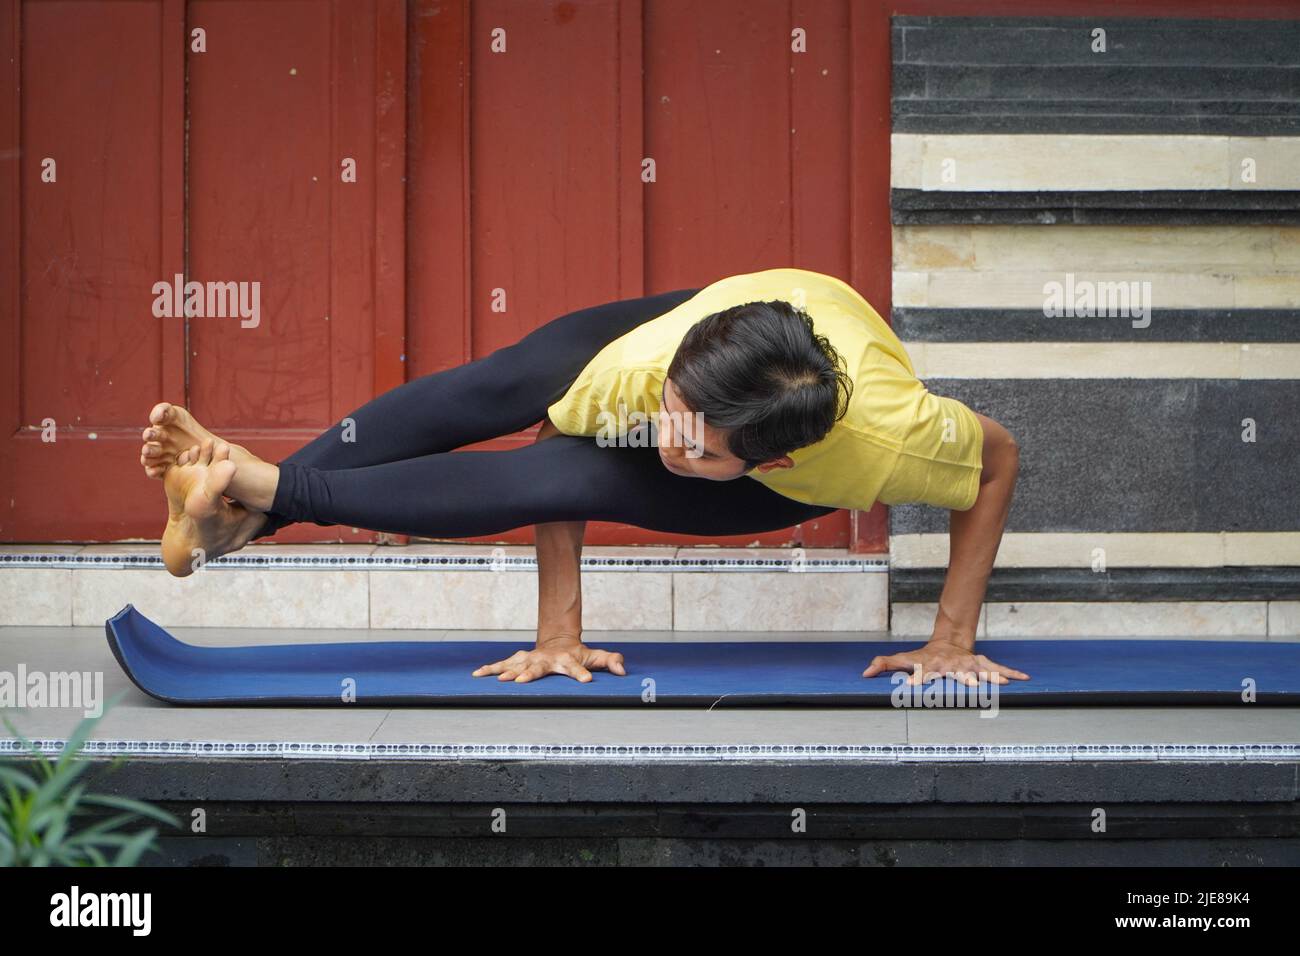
(939, 659)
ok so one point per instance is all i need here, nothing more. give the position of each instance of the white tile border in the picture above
(650, 753)
(786, 561)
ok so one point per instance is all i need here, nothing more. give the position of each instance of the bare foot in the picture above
(173, 430)
(201, 524)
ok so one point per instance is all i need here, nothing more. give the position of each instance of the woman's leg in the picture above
(497, 395)
(563, 478)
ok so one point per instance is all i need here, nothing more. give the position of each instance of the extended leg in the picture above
(565, 478)
(497, 395)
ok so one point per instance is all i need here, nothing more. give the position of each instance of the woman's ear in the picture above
(785, 461)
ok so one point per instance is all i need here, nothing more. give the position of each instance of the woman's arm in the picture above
(559, 575)
(973, 539)
(974, 536)
(559, 647)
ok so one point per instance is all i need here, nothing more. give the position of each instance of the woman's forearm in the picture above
(973, 539)
(559, 574)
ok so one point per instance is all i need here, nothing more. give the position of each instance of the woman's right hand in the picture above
(569, 657)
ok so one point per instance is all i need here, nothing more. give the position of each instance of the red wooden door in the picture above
(132, 156)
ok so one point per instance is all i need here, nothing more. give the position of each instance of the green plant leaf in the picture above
(137, 845)
(52, 838)
(27, 744)
(80, 734)
(44, 798)
(41, 820)
(16, 778)
(65, 775)
(135, 806)
(91, 834)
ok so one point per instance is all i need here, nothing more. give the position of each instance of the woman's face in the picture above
(689, 447)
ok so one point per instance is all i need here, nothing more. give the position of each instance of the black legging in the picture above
(401, 474)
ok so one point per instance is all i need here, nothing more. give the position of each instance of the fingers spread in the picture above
(525, 666)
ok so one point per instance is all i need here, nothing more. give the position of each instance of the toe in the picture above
(161, 413)
(217, 480)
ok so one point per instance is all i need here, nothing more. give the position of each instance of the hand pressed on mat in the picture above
(571, 658)
(559, 647)
(939, 659)
(974, 536)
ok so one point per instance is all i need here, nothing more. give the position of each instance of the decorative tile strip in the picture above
(639, 753)
(451, 562)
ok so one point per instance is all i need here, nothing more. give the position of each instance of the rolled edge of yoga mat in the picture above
(129, 616)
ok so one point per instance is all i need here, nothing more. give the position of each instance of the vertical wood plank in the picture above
(351, 214)
(631, 149)
(438, 266)
(172, 375)
(821, 157)
(871, 270)
(10, 270)
(390, 196)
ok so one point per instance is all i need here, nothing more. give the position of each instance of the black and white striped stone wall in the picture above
(1097, 242)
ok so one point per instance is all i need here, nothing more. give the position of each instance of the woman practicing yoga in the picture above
(785, 380)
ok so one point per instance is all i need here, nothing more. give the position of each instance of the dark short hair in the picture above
(761, 371)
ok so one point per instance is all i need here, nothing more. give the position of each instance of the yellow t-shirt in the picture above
(897, 442)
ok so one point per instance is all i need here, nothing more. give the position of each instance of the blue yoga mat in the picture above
(695, 674)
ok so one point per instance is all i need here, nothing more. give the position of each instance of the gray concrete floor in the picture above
(138, 717)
